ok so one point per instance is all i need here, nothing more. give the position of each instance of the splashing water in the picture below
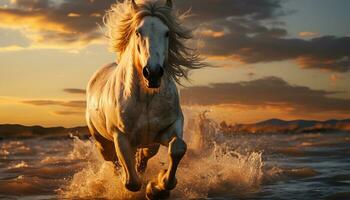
(210, 167)
(97, 178)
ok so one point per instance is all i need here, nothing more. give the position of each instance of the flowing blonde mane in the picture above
(121, 21)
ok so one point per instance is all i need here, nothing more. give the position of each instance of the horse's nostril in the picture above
(145, 72)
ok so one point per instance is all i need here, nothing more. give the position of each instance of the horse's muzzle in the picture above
(153, 77)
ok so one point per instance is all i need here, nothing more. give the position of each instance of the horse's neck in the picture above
(126, 74)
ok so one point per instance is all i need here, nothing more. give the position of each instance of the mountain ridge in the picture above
(23, 131)
(273, 125)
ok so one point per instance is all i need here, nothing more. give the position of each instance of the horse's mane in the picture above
(121, 21)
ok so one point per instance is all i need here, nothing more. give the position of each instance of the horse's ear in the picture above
(133, 4)
(169, 3)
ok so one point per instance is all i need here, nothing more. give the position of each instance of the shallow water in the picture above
(216, 166)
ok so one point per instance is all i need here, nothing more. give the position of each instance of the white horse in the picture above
(133, 106)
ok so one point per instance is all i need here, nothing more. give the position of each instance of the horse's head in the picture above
(151, 45)
(154, 36)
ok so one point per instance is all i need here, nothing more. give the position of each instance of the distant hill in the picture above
(268, 126)
(17, 130)
(294, 126)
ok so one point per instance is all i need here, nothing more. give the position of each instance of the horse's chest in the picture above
(147, 120)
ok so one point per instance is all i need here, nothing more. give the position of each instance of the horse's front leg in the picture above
(176, 150)
(126, 155)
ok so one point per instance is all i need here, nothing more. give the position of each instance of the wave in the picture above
(28, 185)
(275, 174)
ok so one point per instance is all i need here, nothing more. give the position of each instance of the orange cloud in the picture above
(323, 63)
(334, 78)
(18, 19)
(65, 25)
(95, 15)
(308, 34)
(73, 15)
(11, 48)
(44, 33)
(70, 104)
(69, 112)
(211, 33)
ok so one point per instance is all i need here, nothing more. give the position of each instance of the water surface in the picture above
(216, 166)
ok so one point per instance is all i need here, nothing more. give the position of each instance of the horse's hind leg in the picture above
(143, 155)
(106, 148)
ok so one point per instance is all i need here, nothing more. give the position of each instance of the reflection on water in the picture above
(217, 165)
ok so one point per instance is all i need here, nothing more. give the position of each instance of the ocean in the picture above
(218, 165)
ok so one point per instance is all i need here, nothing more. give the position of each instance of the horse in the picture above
(133, 104)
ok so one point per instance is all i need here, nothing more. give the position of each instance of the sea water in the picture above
(217, 165)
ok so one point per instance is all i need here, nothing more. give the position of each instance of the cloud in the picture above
(250, 42)
(269, 91)
(73, 107)
(69, 112)
(205, 10)
(210, 33)
(31, 4)
(250, 32)
(247, 31)
(69, 24)
(70, 104)
(264, 92)
(334, 78)
(74, 91)
(35, 20)
(308, 34)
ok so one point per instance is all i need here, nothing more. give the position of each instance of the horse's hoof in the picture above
(153, 192)
(133, 186)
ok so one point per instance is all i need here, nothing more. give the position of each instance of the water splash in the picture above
(222, 172)
(211, 167)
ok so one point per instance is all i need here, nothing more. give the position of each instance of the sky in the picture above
(287, 59)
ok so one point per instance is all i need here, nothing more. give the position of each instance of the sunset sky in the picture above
(286, 59)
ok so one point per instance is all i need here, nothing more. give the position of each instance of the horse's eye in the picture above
(167, 34)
